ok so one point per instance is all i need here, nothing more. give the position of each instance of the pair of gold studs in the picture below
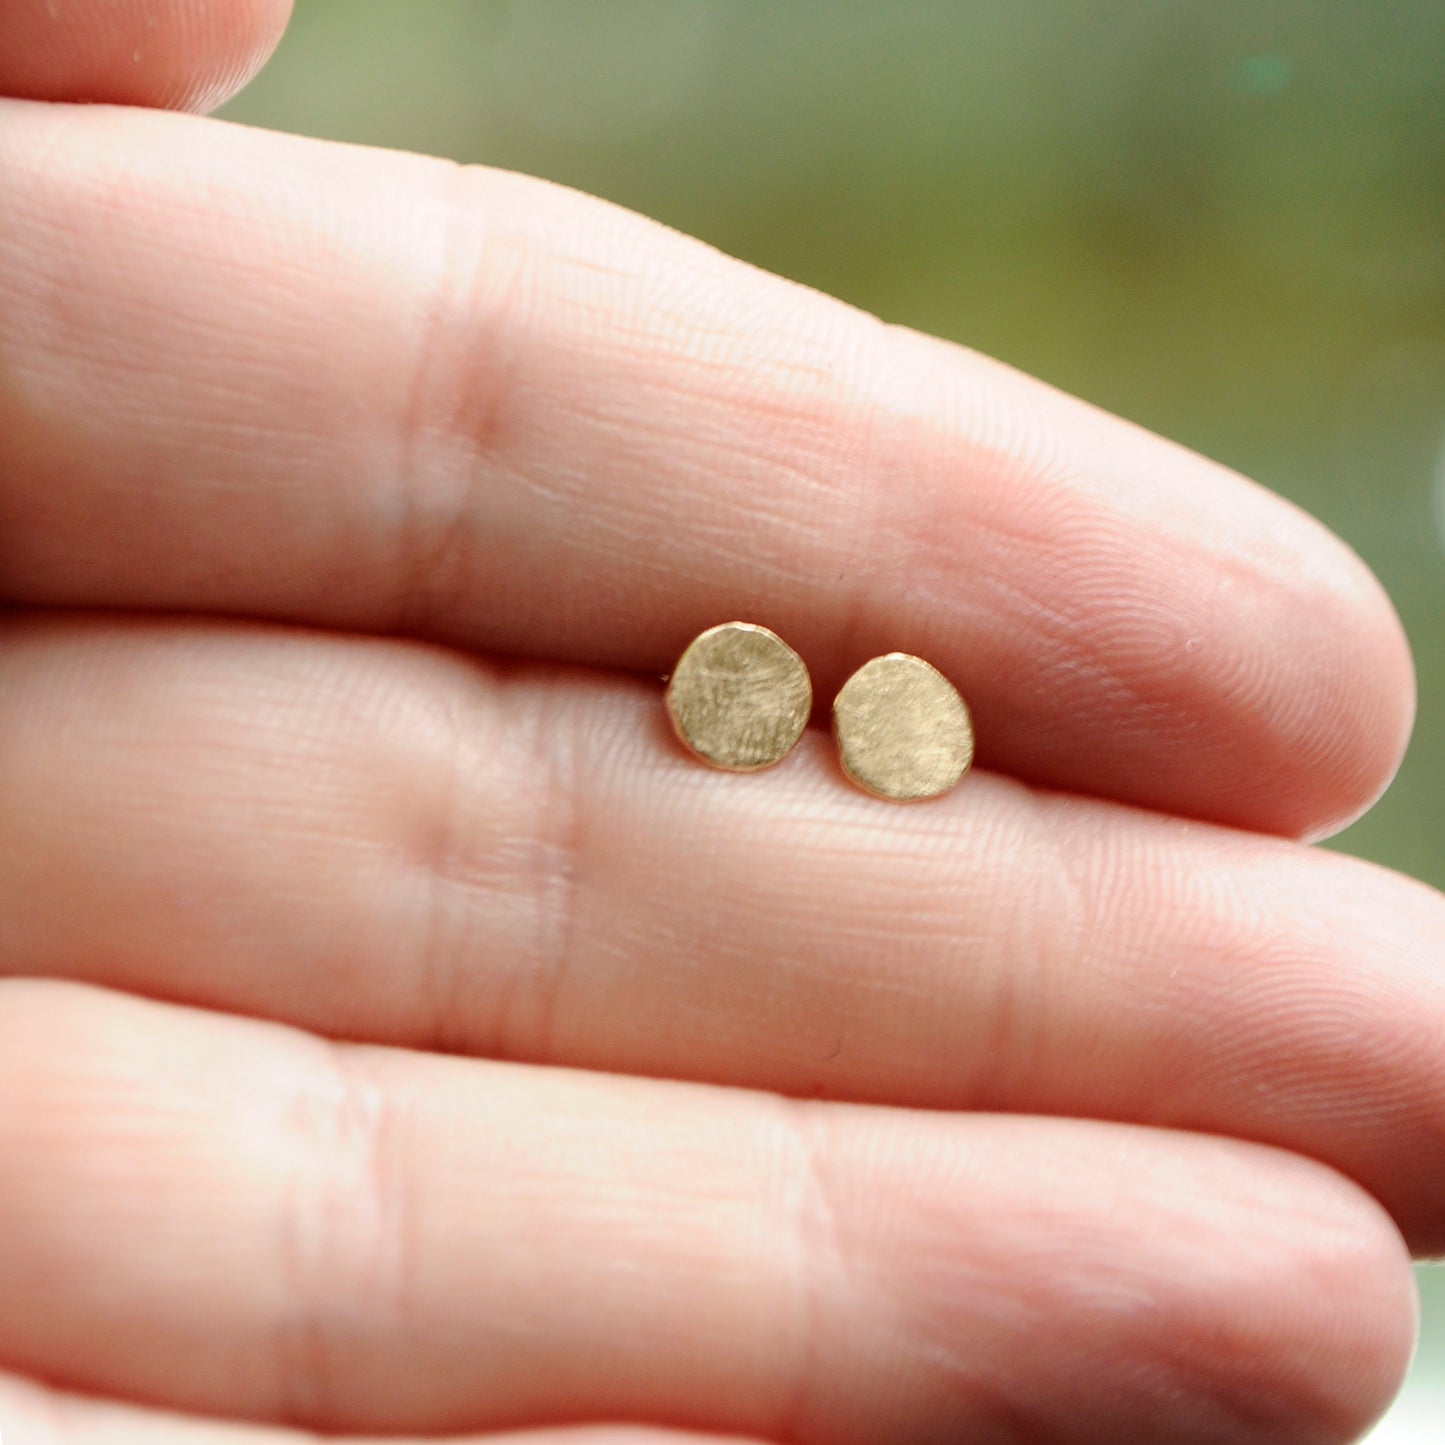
(740, 698)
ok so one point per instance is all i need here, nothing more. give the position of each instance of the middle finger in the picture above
(383, 841)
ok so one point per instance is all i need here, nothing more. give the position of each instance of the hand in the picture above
(401, 1036)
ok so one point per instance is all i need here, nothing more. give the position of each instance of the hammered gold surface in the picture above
(903, 731)
(739, 697)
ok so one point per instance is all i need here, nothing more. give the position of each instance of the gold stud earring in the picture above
(739, 697)
(903, 731)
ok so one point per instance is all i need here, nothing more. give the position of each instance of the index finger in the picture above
(254, 373)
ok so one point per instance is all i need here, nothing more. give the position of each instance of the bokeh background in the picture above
(1225, 220)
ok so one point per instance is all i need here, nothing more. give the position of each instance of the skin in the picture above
(401, 1036)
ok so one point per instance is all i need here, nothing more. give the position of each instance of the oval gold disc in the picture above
(739, 697)
(903, 731)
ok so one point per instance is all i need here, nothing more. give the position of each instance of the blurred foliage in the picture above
(1223, 220)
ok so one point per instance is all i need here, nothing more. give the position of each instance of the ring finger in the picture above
(34, 1415)
(230, 1217)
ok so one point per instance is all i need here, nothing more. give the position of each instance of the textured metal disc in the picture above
(739, 697)
(903, 731)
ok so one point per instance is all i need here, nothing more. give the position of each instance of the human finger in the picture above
(255, 373)
(387, 842)
(186, 54)
(32, 1414)
(230, 1217)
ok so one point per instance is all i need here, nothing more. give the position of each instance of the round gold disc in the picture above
(903, 731)
(739, 697)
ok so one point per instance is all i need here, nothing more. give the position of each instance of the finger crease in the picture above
(452, 412)
(813, 1220)
(555, 870)
(347, 1234)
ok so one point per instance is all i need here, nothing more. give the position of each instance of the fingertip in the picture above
(1298, 1315)
(1356, 739)
(1323, 734)
(177, 54)
(1345, 1293)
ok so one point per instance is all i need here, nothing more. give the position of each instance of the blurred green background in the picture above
(1224, 220)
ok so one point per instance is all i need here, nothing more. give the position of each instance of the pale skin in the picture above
(401, 1036)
